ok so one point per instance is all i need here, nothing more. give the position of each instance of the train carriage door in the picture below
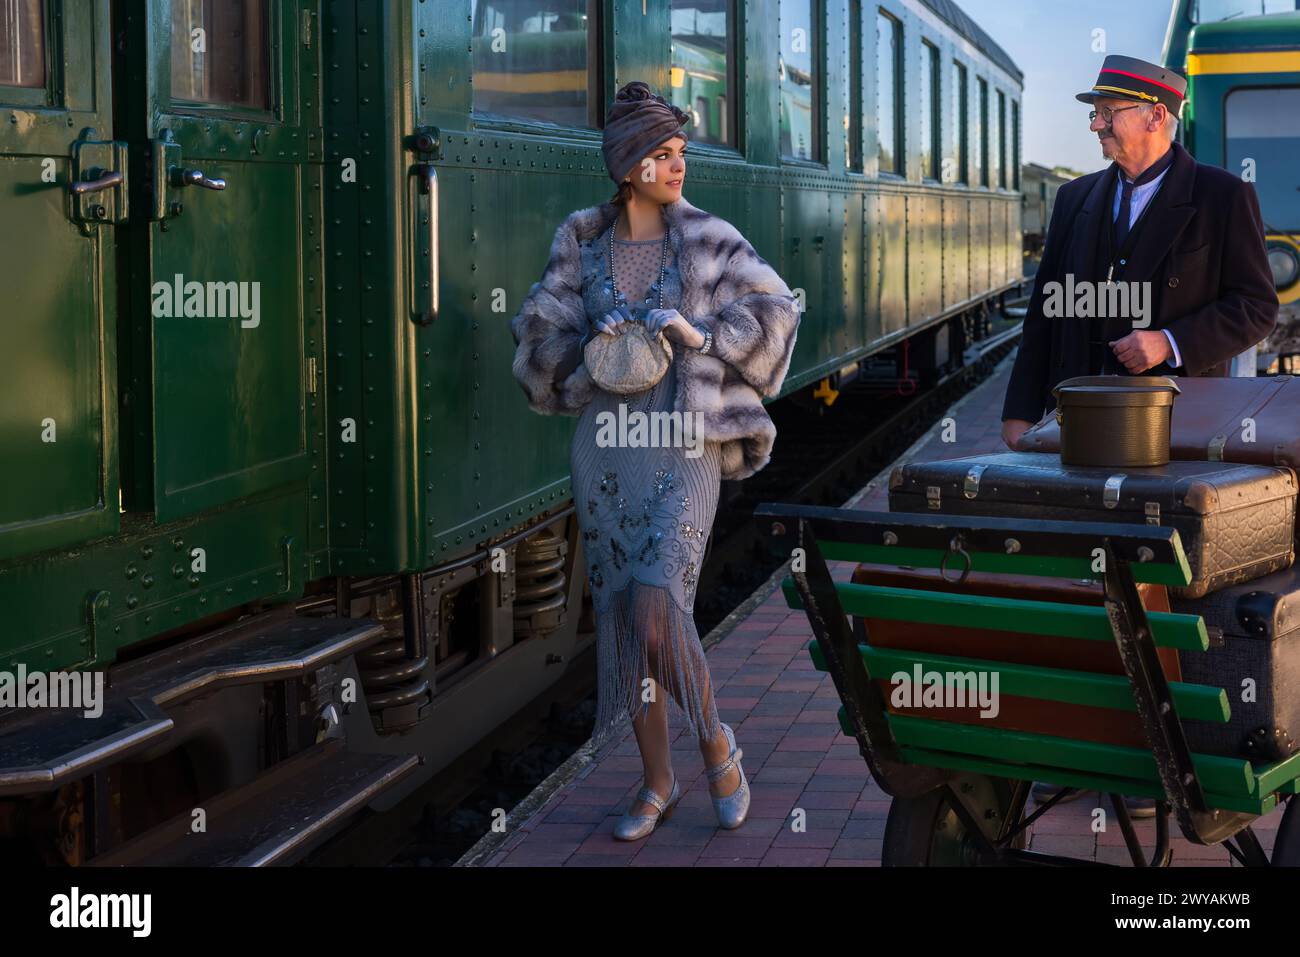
(228, 133)
(63, 189)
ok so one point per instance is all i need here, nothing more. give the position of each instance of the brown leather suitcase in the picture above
(1250, 420)
(1103, 725)
(1236, 521)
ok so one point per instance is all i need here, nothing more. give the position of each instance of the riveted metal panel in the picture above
(924, 257)
(956, 249)
(981, 236)
(893, 262)
(847, 208)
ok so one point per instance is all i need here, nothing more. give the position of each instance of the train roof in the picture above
(1281, 30)
(955, 17)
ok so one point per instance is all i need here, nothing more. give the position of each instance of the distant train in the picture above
(266, 463)
(1242, 61)
(1039, 186)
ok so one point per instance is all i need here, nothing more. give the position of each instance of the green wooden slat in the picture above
(1067, 778)
(1266, 783)
(1020, 615)
(1280, 775)
(1051, 684)
(1230, 776)
(1153, 572)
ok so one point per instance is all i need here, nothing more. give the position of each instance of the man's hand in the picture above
(1140, 351)
(1012, 430)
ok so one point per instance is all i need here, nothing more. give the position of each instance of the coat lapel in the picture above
(1087, 226)
(1170, 211)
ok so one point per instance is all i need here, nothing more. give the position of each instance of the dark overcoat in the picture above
(1201, 248)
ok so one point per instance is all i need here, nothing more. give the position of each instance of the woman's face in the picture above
(661, 173)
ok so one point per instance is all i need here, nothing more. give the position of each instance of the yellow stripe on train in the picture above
(1267, 61)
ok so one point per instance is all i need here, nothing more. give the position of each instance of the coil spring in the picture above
(393, 680)
(541, 591)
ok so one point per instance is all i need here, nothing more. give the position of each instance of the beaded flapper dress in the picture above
(645, 514)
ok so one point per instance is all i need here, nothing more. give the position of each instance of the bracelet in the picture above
(708, 341)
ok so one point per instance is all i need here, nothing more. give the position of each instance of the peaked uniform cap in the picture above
(1128, 78)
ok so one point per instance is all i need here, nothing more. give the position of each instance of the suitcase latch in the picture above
(1214, 452)
(1110, 494)
(971, 487)
(1153, 513)
(932, 497)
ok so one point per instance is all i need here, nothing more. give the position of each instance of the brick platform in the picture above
(783, 712)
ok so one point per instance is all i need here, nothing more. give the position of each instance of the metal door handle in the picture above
(106, 181)
(424, 296)
(196, 177)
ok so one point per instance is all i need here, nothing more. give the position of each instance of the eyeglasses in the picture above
(1108, 114)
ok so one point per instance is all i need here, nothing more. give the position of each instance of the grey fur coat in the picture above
(727, 289)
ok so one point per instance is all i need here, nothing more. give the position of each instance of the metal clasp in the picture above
(971, 487)
(1110, 495)
(932, 497)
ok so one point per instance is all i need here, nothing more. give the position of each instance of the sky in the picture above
(1052, 41)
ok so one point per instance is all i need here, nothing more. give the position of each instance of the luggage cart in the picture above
(960, 789)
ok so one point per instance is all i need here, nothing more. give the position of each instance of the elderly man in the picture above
(1186, 239)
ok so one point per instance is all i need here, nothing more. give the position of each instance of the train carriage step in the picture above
(275, 819)
(42, 749)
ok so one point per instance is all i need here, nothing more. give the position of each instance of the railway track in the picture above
(824, 460)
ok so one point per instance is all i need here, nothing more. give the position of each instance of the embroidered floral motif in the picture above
(689, 578)
(650, 535)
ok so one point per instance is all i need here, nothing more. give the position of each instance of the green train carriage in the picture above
(264, 445)
(1242, 61)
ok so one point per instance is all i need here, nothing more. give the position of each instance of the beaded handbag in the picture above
(630, 360)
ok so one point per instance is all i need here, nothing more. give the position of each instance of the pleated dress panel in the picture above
(645, 512)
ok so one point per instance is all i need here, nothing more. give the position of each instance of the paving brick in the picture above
(666, 857)
(858, 849)
(576, 814)
(795, 857)
(731, 845)
(820, 837)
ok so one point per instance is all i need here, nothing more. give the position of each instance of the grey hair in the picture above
(1170, 129)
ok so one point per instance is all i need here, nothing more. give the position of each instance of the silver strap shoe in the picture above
(632, 827)
(733, 808)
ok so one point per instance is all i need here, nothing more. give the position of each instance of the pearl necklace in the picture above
(619, 298)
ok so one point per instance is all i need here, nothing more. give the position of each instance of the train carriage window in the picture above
(982, 131)
(1015, 144)
(1000, 143)
(220, 52)
(850, 86)
(1262, 135)
(701, 66)
(800, 76)
(1212, 11)
(889, 91)
(929, 109)
(535, 60)
(960, 125)
(22, 43)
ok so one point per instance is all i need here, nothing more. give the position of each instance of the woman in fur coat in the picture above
(646, 508)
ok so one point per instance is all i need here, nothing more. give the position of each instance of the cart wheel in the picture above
(1286, 846)
(926, 832)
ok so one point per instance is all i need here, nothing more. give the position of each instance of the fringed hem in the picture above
(644, 634)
